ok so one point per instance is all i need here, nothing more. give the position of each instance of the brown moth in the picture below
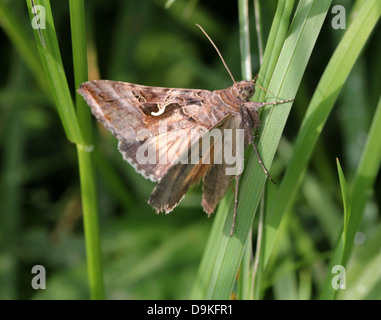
(133, 114)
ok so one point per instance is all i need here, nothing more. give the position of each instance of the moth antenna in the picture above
(218, 51)
(264, 89)
(259, 86)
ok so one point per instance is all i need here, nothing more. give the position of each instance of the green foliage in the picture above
(310, 221)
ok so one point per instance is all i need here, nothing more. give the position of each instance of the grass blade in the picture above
(243, 8)
(322, 102)
(360, 193)
(54, 71)
(294, 56)
(329, 290)
(77, 126)
(274, 44)
(86, 155)
(346, 200)
(365, 177)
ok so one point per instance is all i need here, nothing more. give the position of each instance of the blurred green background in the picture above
(149, 256)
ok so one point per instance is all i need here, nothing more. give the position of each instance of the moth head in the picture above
(244, 89)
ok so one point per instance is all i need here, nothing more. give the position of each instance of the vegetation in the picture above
(70, 203)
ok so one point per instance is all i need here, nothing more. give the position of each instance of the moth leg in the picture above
(235, 203)
(261, 162)
(275, 102)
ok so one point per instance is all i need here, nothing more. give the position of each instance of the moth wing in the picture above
(173, 186)
(218, 179)
(154, 157)
(215, 185)
(126, 109)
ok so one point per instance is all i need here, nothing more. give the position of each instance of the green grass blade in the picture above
(346, 200)
(91, 222)
(78, 38)
(203, 278)
(258, 28)
(360, 193)
(284, 83)
(86, 154)
(77, 126)
(257, 274)
(329, 291)
(274, 44)
(244, 276)
(244, 279)
(322, 102)
(199, 289)
(244, 32)
(54, 70)
(365, 177)
(294, 57)
(305, 290)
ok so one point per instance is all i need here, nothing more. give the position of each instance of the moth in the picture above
(134, 114)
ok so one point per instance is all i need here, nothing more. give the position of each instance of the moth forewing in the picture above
(126, 110)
